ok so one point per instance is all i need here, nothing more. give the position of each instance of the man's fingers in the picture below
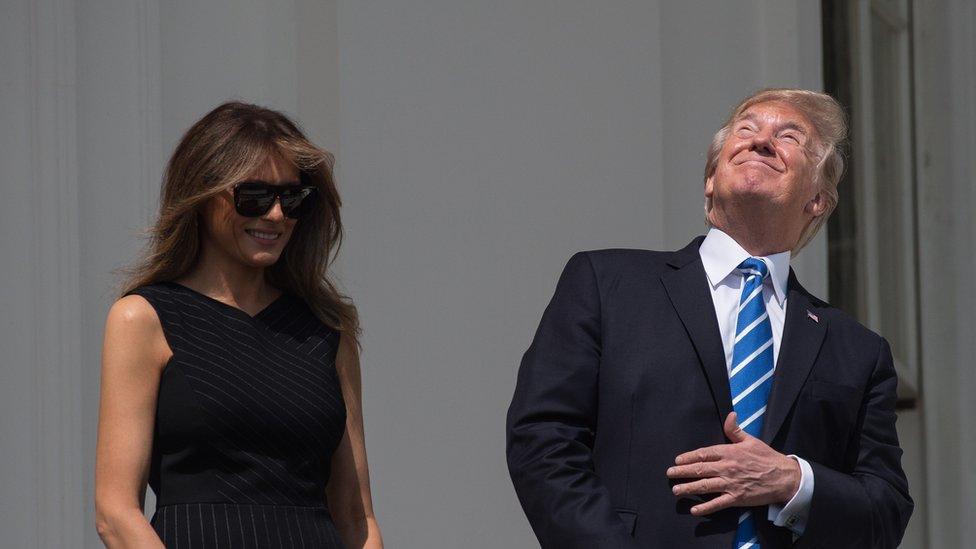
(695, 470)
(714, 453)
(710, 453)
(711, 485)
(732, 430)
(723, 501)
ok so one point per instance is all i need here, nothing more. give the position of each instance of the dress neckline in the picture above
(281, 297)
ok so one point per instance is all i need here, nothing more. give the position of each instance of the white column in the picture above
(120, 161)
(946, 135)
(42, 475)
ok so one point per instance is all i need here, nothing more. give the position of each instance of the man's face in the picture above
(766, 163)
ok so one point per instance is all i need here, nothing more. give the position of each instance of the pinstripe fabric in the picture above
(200, 525)
(249, 413)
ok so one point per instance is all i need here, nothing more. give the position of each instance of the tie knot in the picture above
(753, 266)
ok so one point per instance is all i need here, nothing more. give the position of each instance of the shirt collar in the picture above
(721, 255)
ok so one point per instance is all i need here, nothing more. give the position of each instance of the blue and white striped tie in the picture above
(751, 376)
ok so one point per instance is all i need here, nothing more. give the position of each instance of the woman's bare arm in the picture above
(350, 502)
(133, 356)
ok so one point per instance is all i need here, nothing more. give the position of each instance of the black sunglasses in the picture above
(256, 198)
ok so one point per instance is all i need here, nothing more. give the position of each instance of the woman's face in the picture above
(253, 241)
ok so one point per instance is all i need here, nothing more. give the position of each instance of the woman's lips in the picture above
(263, 237)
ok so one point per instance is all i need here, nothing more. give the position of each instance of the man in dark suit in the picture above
(703, 398)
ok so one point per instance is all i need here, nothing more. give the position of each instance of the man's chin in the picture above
(753, 194)
(756, 179)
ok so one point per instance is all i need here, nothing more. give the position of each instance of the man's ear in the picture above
(817, 205)
(709, 186)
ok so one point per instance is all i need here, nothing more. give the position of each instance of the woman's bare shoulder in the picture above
(133, 313)
(134, 326)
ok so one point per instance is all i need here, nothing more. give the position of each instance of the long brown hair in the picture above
(221, 149)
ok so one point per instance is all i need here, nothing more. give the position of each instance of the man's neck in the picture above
(760, 239)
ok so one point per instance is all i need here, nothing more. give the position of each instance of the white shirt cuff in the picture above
(796, 511)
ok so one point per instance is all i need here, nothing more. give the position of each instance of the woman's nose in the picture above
(275, 213)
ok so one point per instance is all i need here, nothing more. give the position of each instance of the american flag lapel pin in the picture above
(813, 317)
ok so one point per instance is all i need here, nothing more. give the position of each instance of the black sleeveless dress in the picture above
(249, 413)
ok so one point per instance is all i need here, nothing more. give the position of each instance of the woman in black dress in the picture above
(230, 372)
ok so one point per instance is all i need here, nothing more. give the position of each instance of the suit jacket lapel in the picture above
(802, 337)
(687, 288)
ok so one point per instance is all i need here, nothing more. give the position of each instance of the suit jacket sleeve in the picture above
(870, 506)
(552, 422)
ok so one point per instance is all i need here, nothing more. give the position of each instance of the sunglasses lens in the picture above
(253, 200)
(294, 201)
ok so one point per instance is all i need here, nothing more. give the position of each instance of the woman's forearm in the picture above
(360, 533)
(123, 528)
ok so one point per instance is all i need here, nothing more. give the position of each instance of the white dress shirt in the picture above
(721, 255)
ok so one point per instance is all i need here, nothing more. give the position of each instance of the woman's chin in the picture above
(259, 255)
(262, 259)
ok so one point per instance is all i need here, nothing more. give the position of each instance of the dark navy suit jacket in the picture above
(627, 370)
